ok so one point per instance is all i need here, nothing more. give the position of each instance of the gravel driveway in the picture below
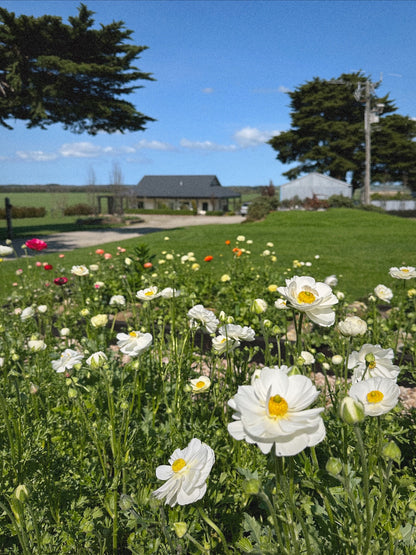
(75, 239)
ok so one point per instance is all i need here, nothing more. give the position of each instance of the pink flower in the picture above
(36, 244)
(99, 251)
(60, 280)
(61, 256)
(38, 263)
(107, 256)
(48, 267)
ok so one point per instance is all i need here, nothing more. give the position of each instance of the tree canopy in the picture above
(74, 74)
(327, 134)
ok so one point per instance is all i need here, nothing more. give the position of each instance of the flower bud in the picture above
(351, 411)
(21, 493)
(392, 451)
(180, 528)
(258, 306)
(252, 486)
(333, 466)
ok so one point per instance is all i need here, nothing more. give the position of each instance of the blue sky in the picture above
(222, 70)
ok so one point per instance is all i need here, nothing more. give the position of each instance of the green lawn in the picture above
(358, 246)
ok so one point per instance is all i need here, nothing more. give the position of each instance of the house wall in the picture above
(322, 191)
(395, 204)
(207, 204)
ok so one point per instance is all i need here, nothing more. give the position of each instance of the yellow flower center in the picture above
(306, 297)
(149, 293)
(372, 365)
(278, 407)
(404, 270)
(178, 465)
(199, 384)
(133, 334)
(375, 396)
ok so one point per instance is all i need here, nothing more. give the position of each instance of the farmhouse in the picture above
(322, 186)
(202, 193)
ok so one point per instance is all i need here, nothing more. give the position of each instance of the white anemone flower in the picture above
(383, 293)
(27, 313)
(5, 250)
(281, 304)
(36, 345)
(332, 280)
(170, 293)
(69, 358)
(148, 294)
(313, 298)
(222, 344)
(117, 300)
(372, 361)
(80, 270)
(97, 359)
(404, 272)
(134, 342)
(186, 474)
(378, 395)
(352, 326)
(205, 316)
(272, 412)
(235, 331)
(200, 384)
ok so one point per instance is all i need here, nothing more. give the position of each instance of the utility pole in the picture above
(371, 115)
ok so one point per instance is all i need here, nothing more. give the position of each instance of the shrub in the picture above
(339, 201)
(20, 212)
(259, 208)
(79, 210)
(315, 203)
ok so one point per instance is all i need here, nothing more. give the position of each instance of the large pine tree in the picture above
(72, 73)
(327, 134)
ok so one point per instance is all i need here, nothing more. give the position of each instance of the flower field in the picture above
(149, 405)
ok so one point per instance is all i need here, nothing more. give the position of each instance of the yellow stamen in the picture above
(178, 465)
(133, 334)
(278, 407)
(372, 365)
(375, 396)
(199, 384)
(306, 297)
(149, 293)
(404, 270)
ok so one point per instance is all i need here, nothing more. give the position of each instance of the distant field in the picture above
(54, 203)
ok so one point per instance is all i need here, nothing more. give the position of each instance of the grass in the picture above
(356, 245)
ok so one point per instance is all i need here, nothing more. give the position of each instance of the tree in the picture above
(327, 134)
(72, 74)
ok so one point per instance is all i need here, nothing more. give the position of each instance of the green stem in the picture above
(366, 489)
(215, 528)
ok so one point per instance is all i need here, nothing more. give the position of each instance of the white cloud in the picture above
(208, 90)
(206, 145)
(280, 89)
(251, 136)
(283, 89)
(89, 150)
(154, 145)
(36, 155)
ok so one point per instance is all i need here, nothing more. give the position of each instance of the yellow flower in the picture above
(272, 288)
(225, 277)
(99, 321)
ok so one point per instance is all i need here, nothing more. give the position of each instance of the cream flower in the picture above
(281, 304)
(36, 345)
(134, 342)
(117, 300)
(99, 321)
(170, 293)
(69, 358)
(80, 270)
(27, 313)
(186, 474)
(148, 294)
(258, 306)
(378, 395)
(404, 272)
(308, 357)
(332, 280)
(205, 316)
(5, 250)
(233, 331)
(222, 344)
(200, 384)
(313, 298)
(372, 361)
(383, 293)
(352, 326)
(271, 413)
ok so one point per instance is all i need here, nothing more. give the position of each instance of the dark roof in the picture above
(183, 186)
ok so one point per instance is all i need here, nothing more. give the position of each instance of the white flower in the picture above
(222, 344)
(148, 294)
(233, 331)
(352, 326)
(205, 316)
(27, 313)
(36, 345)
(241, 238)
(94, 267)
(332, 281)
(5, 251)
(281, 304)
(270, 244)
(200, 384)
(42, 308)
(225, 277)
(372, 361)
(134, 342)
(257, 373)
(68, 359)
(337, 359)
(170, 293)
(313, 298)
(271, 412)
(404, 272)
(378, 395)
(64, 332)
(99, 284)
(96, 360)
(340, 295)
(117, 300)
(186, 474)
(383, 293)
(258, 306)
(99, 321)
(308, 357)
(80, 270)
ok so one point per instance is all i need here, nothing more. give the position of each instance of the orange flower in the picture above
(147, 265)
(208, 258)
(107, 256)
(227, 242)
(237, 251)
(99, 251)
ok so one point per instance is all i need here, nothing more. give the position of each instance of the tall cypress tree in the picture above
(327, 134)
(74, 74)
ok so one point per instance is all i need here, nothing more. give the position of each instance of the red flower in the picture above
(208, 258)
(60, 281)
(48, 267)
(36, 244)
(147, 265)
